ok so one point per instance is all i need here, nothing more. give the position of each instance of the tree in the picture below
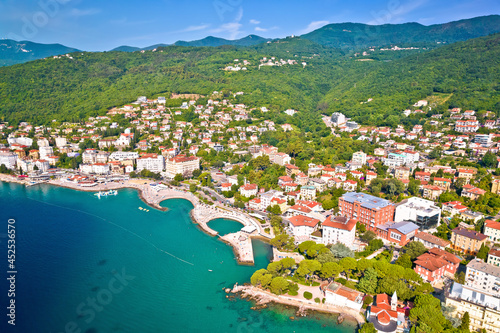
(347, 264)
(278, 285)
(404, 260)
(460, 277)
(464, 326)
(326, 257)
(368, 236)
(368, 283)
(426, 316)
(178, 177)
(280, 241)
(329, 270)
(275, 209)
(261, 277)
(193, 188)
(483, 252)
(489, 160)
(339, 250)
(414, 249)
(308, 267)
(368, 328)
(304, 246)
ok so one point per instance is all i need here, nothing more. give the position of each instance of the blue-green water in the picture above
(225, 226)
(102, 265)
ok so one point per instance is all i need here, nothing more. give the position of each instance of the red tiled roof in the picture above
(492, 224)
(301, 220)
(340, 222)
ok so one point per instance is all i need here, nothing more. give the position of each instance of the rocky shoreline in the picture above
(263, 299)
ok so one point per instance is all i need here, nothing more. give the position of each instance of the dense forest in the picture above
(72, 88)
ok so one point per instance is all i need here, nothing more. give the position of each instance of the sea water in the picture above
(94, 265)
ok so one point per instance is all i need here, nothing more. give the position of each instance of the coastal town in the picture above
(402, 219)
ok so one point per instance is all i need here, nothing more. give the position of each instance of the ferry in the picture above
(105, 194)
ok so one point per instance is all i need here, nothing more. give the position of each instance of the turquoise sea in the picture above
(89, 265)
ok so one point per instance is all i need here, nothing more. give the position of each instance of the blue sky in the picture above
(102, 25)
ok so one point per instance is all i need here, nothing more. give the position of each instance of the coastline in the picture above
(263, 297)
(243, 253)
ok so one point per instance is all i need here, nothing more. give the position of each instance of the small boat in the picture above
(210, 270)
(141, 208)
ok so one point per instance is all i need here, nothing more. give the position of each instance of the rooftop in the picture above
(481, 266)
(366, 200)
(432, 239)
(404, 227)
(469, 233)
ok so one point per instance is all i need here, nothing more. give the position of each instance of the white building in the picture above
(339, 229)
(8, 158)
(151, 162)
(342, 296)
(492, 230)
(248, 190)
(181, 164)
(307, 192)
(301, 225)
(359, 158)
(45, 152)
(101, 168)
(123, 155)
(42, 165)
(483, 277)
(338, 119)
(61, 142)
(25, 141)
(421, 211)
(89, 156)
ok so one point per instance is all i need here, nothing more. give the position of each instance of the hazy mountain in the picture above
(352, 36)
(13, 52)
(215, 41)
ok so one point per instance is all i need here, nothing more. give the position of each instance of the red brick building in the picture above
(367, 209)
(432, 266)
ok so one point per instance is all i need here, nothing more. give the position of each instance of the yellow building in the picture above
(495, 185)
(483, 309)
(468, 241)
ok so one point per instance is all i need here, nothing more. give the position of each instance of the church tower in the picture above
(394, 301)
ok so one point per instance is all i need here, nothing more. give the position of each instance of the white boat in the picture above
(105, 194)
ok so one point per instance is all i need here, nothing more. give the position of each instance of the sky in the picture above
(93, 25)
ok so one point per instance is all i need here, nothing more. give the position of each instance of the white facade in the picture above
(151, 162)
(181, 164)
(483, 277)
(42, 165)
(359, 158)
(61, 142)
(339, 229)
(8, 158)
(307, 192)
(21, 141)
(421, 211)
(45, 152)
(100, 169)
(123, 155)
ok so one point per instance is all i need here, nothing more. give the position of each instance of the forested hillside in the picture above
(90, 83)
(355, 36)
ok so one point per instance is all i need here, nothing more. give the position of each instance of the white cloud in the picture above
(231, 28)
(313, 26)
(84, 12)
(260, 29)
(195, 28)
(395, 15)
(252, 21)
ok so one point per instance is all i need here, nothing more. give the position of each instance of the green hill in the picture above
(13, 52)
(215, 41)
(355, 36)
(90, 83)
